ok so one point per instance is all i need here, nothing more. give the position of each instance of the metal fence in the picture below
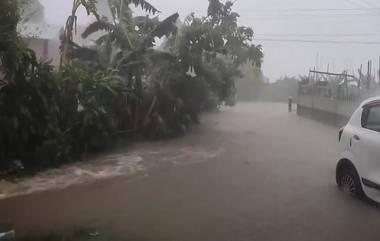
(335, 94)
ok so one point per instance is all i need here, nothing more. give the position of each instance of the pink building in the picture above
(44, 40)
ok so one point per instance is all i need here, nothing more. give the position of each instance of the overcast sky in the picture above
(351, 28)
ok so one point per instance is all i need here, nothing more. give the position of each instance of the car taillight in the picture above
(340, 133)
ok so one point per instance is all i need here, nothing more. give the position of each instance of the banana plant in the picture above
(127, 46)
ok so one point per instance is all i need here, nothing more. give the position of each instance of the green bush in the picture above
(130, 89)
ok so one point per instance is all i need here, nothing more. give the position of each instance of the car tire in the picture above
(349, 182)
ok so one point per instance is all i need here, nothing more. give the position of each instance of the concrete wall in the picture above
(340, 107)
(336, 112)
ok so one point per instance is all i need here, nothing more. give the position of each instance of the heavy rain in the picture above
(189, 120)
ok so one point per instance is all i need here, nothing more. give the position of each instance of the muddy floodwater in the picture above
(135, 160)
(251, 172)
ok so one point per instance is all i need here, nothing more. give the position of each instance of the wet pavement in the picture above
(252, 172)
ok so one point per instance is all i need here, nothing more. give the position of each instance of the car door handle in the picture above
(356, 138)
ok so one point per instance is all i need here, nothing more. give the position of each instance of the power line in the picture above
(365, 2)
(369, 4)
(352, 2)
(317, 14)
(319, 41)
(371, 9)
(313, 16)
(317, 35)
(331, 9)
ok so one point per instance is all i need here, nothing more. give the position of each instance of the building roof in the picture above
(52, 32)
(40, 31)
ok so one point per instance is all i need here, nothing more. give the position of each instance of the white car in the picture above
(358, 168)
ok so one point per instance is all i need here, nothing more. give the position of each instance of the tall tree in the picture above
(215, 46)
(31, 11)
(10, 42)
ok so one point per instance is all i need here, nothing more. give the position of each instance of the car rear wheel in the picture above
(349, 182)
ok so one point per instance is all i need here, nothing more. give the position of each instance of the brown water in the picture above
(134, 160)
(252, 172)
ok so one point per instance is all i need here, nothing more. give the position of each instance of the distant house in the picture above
(44, 40)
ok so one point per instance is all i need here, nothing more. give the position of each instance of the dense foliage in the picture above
(125, 85)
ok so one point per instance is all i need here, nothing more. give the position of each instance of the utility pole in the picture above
(379, 72)
(318, 62)
(312, 89)
(333, 65)
(368, 74)
(360, 76)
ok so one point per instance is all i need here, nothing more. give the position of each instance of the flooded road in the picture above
(252, 172)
